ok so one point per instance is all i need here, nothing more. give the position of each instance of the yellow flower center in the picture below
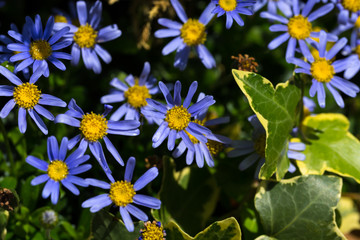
(214, 147)
(357, 50)
(193, 32)
(322, 70)
(259, 145)
(357, 23)
(40, 49)
(152, 231)
(299, 27)
(93, 126)
(137, 95)
(227, 5)
(26, 95)
(193, 139)
(57, 170)
(85, 36)
(60, 19)
(178, 118)
(122, 193)
(351, 5)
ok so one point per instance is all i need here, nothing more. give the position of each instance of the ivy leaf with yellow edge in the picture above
(275, 109)
(331, 146)
(227, 229)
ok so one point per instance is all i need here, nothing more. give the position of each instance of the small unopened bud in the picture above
(49, 218)
(8, 200)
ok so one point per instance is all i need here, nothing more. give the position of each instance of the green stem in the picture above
(7, 145)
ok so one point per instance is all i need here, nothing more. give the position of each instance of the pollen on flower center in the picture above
(322, 70)
(93, 126)
(214, 147)
(40, 49)
(193, 139)
(136, 96)
(357, 23)
(85, 36)
(351, 5)
(57, 170)
(122, 193)
(299, 27)
(193, 32)
(178, 118)
(259, 145)
(228, 5)
(60, 18)
(357, 50)
(152, 231)
(26, 95)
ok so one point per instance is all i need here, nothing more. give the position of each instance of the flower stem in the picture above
(7, 145)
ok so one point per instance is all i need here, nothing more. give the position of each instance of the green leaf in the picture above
(8, 182)
(264, 237)
(106, 226)
(275, 109)
(189, 196)
(227, 229)
(331, 146)
(300, 208)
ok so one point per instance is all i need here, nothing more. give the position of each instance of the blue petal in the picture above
(169, 23)
(7, 108)
(47, 99)
(75, 53)
(48, 28)
(278, 41)
(22, 120)
(164, 33)
(63, 148)
(336, 48)
(52, 148)
(147, 201)
(116, 83)
(199, 106)
(179, 10)
(190, 94)
(78, 181)
(136, 212)
(63, 118)
(165, 91)
(104, 55)
(71, 187)
(43, 112)
(108, 33)
(126, 217)
(320, 12)
(207, 14)
(308, 7)
(199, 156)
(171, 139)
(123, 125)
(113, 151)
(274, 17)
(162, 138)
(172, 45)
(81, 12)
(96, 201)
(39, 122)
(39, 179)
(179, 150)
(248, 161)
(55, 193)
(205, 56)
(79, 169)
(119, 113)
(144, 73)
(36, 162)
(47, 188)
(181, 57)
(10, 76)
(129, 169)
(97, 183)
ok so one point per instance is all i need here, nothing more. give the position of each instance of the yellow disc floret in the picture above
(57, 170)
(26, 95)
(178, 118)
(227, 5)
(299, 27)
(351, 5)
(152, 231)
(357, 23)
(40, 49)
(259, 145)
(214, 147)
(357, 50)
(193, 32)
(93, 126)
(60, 19)
(122, 193)
(322, 70)
(136, 96)
(85, 36)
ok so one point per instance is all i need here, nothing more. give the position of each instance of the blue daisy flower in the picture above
(233, 8)
(349, 11)
(61, 16)
(6, 54)
(88, 35)
(353, 52)
(273, 6)
(175, 117)
(256, 149)
(95, 127)
(190, 33)
(297, 28)
(323, 71)
(36, 47)
(124, 195)
(135, 93)
(28, 98)
(61, 169)
(215, 142)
